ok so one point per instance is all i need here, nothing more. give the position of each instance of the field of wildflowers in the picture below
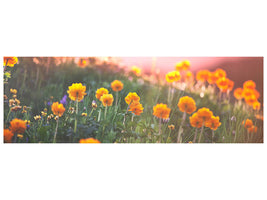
(89, 100)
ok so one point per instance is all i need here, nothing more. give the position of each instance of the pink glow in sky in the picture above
(168, 63)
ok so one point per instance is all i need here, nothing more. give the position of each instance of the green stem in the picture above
(91, 112)
(195, 136)
(199, 139)
(168, 135)
(179, 140)
(106, 107)
(117, 96)
(159, 130)
(54, 140)
(8, 114)
(212, 136)
(99, 115)
(75, 123)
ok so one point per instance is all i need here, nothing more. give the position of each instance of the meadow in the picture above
(52, 100)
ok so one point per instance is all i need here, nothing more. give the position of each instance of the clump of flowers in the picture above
(213, 123)
(100, 92)
(203, 75)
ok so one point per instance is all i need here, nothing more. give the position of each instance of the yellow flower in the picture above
(213, 123)
(107, 99)
(27, 122)
(173, 76)
(187, 104)
(77, 92)
(13, 91)
(161, 111)
(117, 85)
(183, 65)
(100, 92)
(57, 109)
(131, 97)
(136, 70)
(37, 117)
(136, 108)
(171, 127)
(10, 61)
(256, 105)
(43, 113)
(196, 121)
(84, 114)
(89, 140)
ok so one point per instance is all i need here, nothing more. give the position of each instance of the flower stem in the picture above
(212, 136)
(117, 96)
(159, 130)
(199, 139)
(106, 107)
(195, 136)
(91, 112)
(75, 123)
(54, 141)
(179, 140)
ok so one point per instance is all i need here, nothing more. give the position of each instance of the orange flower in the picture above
(203, 75)
(256, 105)
(248, 123)
(238, 93)
(230, 85)
(107, 99)
(10, 61)
(8, 136)
(82, 62)
(252, 129)
(136, 108)
(136, 70)
(249, 85)
(213, 77)
(171, 127)
(189, 76)
(187, 104)
(250, 100)
(117, 85)
(256, 93)
(76, 92)
(173, 76)
(57, 109)
(131, 97)
(100, 92)
(223, 84)
(89, 140)
(161, 111)
(196, 121)
(205, 114)
(220, 73)
(213, 123)
(17, 126)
